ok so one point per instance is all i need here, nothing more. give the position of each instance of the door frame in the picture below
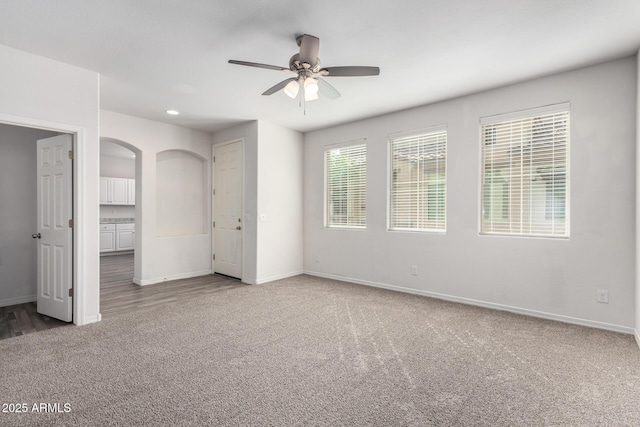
(213, 186)
(78, 189)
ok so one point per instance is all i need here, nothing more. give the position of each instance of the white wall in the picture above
(280, 201)
(553, 278)
(273, 248)
(117, 167)
(160, 258)
(248, 132)
(18, 250)
(56, 96)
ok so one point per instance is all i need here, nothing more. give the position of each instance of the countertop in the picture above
(117, 220)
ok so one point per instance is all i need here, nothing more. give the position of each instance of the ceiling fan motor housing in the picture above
(298, 67)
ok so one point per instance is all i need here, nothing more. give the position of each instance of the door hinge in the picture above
(70, 223)
(214, 257)
(71, 292)
(214, 191)
(214, 224)
(214, 159)
(71, 155)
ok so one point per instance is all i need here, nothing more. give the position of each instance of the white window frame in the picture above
(515, 116)
(327, 217)
(393, 138)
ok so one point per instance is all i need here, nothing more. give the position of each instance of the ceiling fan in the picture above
(308, 74)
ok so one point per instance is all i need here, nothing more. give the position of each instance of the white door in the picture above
(227, 209)
(54, 232)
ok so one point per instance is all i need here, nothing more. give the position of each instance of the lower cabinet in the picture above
(125, 237)
(107, 237)
(117, 237)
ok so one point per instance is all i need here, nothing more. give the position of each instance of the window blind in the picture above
(346, 178)
(418, 182)
(524, 175)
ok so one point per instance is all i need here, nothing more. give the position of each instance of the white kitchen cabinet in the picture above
(131, 193)
(125, 237)
(107, 237)
(115, 191)
(104, 190)
(119, 188)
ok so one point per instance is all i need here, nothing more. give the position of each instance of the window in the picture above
(524, 173)
(346, 177)
(418, 182)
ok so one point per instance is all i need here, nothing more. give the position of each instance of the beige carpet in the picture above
(309, 351)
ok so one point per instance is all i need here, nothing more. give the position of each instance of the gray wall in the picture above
(18, 251)
(554, 278)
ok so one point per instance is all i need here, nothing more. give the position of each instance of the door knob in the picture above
(36, 235)
(238, 228)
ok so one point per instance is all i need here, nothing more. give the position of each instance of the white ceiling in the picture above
(155, 55)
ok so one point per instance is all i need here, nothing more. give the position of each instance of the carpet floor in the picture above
(310, 351)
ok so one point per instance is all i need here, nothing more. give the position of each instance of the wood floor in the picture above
(20, 319)
(118, 295)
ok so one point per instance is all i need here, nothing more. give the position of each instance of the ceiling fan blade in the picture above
(349, 71)
(255, 64)
(326, 89)
(281, 85)
(309, 46)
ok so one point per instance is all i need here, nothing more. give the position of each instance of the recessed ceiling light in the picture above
(172, 112)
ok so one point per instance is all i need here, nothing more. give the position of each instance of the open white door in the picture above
(227, 209)
(54, 229)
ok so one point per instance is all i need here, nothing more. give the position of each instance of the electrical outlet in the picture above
(414, 270)
(602, 295)
(262, 217)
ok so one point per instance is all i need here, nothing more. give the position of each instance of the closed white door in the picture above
(227, 209)
(54, 229)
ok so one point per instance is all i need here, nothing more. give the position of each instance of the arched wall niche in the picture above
(181, 194)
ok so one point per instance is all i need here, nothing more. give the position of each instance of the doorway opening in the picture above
(35, 234)
(120, 191)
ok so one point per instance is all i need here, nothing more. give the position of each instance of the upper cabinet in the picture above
(117, 191)
(131, 192)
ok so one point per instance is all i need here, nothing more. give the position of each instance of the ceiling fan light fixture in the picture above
(292, 88)
(310, 87)
(310, 96)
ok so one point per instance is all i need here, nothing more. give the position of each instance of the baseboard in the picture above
(486, 304)
(278, 277)
(17, 300)
(145, 282)
(637, 335)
